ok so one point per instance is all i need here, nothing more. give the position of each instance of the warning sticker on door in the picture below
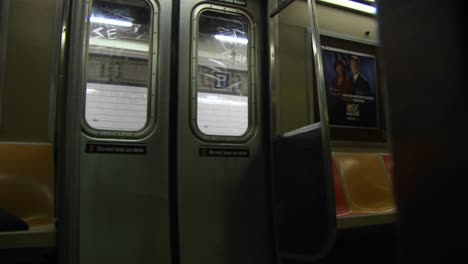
(224, 152)
(115, 148)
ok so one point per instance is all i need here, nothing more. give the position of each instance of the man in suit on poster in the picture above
(360, 83)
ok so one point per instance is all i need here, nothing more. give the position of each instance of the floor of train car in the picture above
(28, 256)
(374, 244)
(368, 245)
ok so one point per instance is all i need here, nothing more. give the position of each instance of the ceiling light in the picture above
(353, 5)
(108, 21)
(232, 39)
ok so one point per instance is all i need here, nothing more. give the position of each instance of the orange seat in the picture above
(27, 182)
(341, 204)
(368, 186)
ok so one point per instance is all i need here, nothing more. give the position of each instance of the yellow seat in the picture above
(27, 182)
(366, 182)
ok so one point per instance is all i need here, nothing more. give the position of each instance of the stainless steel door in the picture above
(117, 131)
(222, 197)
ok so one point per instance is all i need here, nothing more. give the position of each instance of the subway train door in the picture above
(115, 206)
(222, 198)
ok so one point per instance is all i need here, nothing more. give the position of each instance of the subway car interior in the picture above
(232, 132)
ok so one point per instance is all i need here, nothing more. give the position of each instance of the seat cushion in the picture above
(10, 222)
(366, 180)
(341, 203)
(27, 181)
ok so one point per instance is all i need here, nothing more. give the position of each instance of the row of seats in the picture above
(363, 183)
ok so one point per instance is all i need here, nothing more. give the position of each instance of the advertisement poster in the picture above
(351, 87)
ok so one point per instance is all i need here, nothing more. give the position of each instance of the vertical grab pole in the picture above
(322, 104)
(273, 104)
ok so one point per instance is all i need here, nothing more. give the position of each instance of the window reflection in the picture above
(118, 65)
(223, 74)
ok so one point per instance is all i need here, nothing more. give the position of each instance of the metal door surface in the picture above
(117, 132)
(221, 177)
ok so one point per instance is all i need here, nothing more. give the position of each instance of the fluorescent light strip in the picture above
(231, 39)
(110, 21)
(353, 5)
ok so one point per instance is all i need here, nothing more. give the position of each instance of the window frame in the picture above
(252, 100)
(153, 57)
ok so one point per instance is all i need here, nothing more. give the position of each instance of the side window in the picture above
(120, 68)
(222, 73)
